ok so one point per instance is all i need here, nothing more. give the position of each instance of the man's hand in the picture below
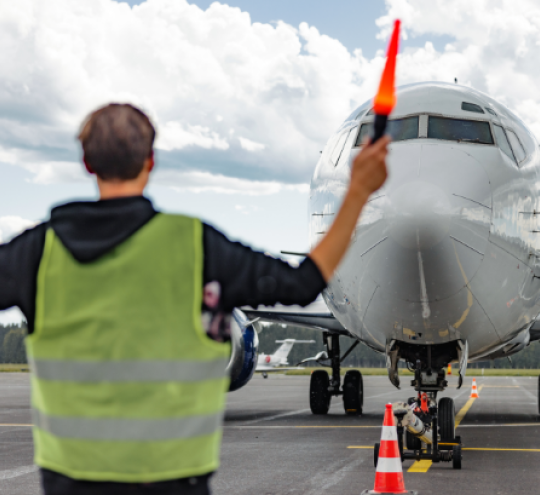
(367, 175)
(368, 171)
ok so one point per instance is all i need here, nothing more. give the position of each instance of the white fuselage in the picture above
(270, 361)
(448, 249)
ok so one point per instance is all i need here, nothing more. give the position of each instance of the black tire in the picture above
(353, 393)
(376, 454)
(456, 456)
(319, 396)
(412, 442)
(447, 419)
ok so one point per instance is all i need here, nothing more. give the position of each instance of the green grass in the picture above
(472, 372)
(10, 368)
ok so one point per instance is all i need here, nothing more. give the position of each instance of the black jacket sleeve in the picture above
(250, 278)
(19, 264)
(246, 277)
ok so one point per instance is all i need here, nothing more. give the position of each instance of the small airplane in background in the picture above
(277, 361)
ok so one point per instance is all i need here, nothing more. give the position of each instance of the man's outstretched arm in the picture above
(367, 175)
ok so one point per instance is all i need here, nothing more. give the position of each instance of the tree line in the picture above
(12, 349)
(12, 343)
(364, 357)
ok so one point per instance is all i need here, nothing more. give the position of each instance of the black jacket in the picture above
(90, 229)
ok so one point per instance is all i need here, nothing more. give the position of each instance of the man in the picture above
(127, 359)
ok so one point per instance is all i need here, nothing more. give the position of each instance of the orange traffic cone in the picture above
(449, 372)
(474, 391)
(389, 475)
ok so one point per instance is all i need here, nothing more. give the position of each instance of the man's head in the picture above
(117, 142)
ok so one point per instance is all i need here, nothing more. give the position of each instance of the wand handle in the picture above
(379, 126)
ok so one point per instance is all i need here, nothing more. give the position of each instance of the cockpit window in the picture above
(492, 112)
(502, 141)
(338, 148)
(471, 107)
(519, 152)
(399, 129)
(465, 131)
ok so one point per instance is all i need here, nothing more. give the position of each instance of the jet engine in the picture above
(244, 350)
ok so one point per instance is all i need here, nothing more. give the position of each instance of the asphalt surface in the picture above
(273, 445)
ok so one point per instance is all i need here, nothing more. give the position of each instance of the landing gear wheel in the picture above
(353, 393)
(456, 456)
(446, 419)
(265, 375)
(376, 454)
(413, 443)
(319, 395)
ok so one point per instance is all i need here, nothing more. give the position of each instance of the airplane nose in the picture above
(425, 235)
(419, 215)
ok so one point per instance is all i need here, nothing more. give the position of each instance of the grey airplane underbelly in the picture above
(447, 250)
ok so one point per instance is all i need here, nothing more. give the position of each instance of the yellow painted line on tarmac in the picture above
(338, 426)
(465, 409)
(501, 386)
(502, 450)
(424, 463)
(514, 424)
(421, 466)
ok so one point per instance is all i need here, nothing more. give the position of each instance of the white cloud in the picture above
(249, 145)
(495, 50)
(222, 89)
(54, 172)
(10, 226)
(206, 182)
(200, 74)
(175, 136)
(245, 209)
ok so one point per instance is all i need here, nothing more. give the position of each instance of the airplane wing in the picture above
(316, 316)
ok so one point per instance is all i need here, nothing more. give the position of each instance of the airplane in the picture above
(278, 360)
(444, 264)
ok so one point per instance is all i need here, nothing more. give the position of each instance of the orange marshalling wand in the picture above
(386, 96)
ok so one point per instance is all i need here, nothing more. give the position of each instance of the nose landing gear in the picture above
(429, 431)
(323, 388)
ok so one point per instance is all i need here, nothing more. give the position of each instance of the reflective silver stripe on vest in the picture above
(128, 429)
(128, 371)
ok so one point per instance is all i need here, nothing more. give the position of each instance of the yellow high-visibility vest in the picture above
(126, 385)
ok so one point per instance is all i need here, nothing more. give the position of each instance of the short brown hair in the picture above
(116, 140)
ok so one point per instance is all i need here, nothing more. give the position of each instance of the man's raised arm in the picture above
(367, 175)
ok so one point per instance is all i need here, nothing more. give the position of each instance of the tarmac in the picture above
(272, 444)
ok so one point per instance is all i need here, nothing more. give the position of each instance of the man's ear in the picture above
(89, 169)
(152, 162)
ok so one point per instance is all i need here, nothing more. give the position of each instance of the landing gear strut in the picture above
(322, 387)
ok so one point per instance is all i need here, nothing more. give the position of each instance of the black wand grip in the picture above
(379, 126)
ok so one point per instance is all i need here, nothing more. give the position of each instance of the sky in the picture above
(244, 94)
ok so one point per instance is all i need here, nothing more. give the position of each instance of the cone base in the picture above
(373, 492)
